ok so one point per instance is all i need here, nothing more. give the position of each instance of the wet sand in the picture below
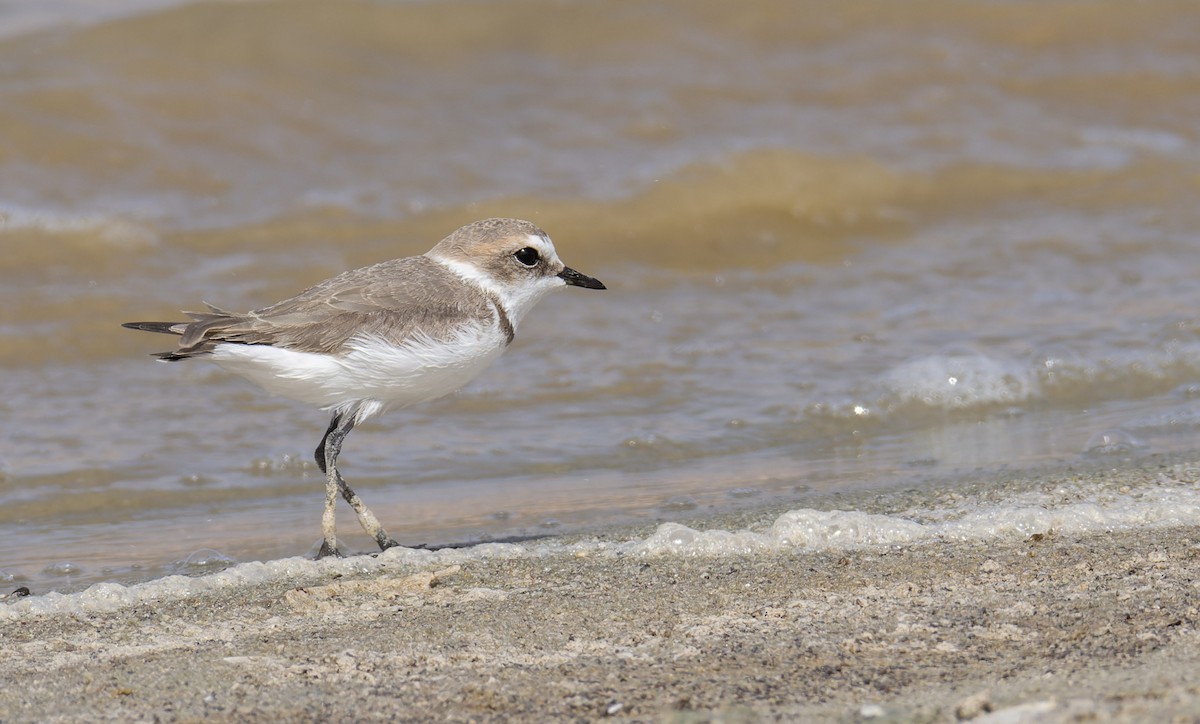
(1048, 628)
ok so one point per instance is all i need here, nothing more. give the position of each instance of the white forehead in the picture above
(542, 244)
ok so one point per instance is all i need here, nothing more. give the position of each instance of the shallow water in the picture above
(987, 514)
(845, 247)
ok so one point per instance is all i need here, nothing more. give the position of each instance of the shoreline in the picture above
(1054, 626)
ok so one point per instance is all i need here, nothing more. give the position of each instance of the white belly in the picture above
(371, 372)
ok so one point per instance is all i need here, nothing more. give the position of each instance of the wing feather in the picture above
(389, 301)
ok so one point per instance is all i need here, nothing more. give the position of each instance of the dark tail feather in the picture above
(172, 356)
(175, 328)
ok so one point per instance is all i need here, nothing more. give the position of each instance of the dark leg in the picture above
(331, 445)
(327, 454)
(320, 453)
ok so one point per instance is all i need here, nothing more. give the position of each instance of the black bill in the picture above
(575, 279)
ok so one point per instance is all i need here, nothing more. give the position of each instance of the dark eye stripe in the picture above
(528, 256)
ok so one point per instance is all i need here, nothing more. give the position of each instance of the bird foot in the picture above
(328, 550)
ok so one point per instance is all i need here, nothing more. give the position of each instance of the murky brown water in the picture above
(845, 246)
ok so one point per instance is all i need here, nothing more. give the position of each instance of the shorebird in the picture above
(383, 337)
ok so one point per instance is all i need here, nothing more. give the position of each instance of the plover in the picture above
(383, 337)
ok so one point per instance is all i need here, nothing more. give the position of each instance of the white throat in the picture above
(516, 301)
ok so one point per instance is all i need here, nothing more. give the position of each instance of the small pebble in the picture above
(974, 705)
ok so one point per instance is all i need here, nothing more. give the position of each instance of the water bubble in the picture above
(679, 502)
(1114, 441)
(62, 568)
(203, 561)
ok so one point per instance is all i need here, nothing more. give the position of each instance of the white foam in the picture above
(960, 380)
(808, 529)
(103, 597)
(818, 530)
(1068, 510)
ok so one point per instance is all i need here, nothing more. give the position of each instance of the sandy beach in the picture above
(1050, 627)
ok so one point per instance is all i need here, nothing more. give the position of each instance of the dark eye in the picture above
(528, 256)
